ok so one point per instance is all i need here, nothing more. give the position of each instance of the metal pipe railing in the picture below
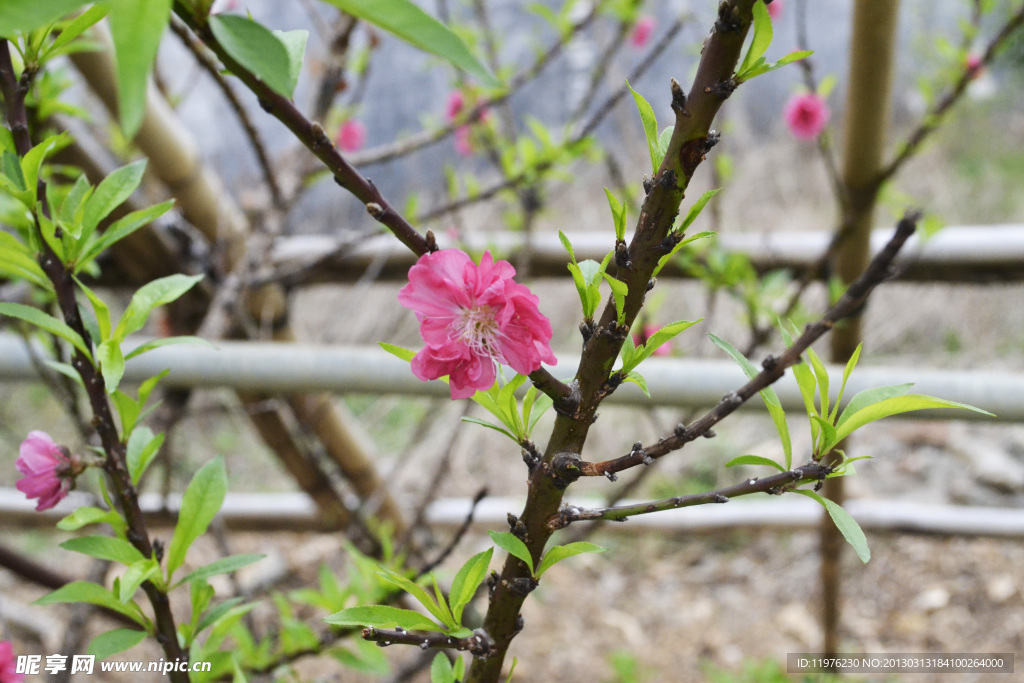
(299, 368)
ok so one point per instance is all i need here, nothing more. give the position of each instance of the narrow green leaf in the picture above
(33, 161)
(110, 643)
(199, 505)
(398, 351)
(118, 230)
(28, 15)
(761, 40)
(46, 322)
(86, 591)
(467, 580)
(75, 28)
(697, 208)
(136, 28)
(663, 261)
(846, 524)
(407, 21)
(104, 548)
(659, 339)
(850, 365)
(894, 406)
(86, 515)
(619, 291)
(110, 194)
(491, 425)
(639, 380)
(754, 460)
(560, 552)
(771, 399)
(142, 447)
(255, 48)
(823, 383)
(167, 341)
(650, 123)
(12, 171)
(137, 572)
(101, 310)
(618, 214)
(663, 140)
(867, 397)
(415, 590)
(111, 361)
(221, 611)
(512, 545)
(567, 244)
(447, 618)
(383, 616)
(151, 295)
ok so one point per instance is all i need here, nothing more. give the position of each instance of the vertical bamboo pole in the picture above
(868, 98)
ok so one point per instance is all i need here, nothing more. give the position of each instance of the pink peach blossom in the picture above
(456, 102)
(47, 469)
(463, 141)
(351, 136)
(642, 32)
(472, 318)
(806, 115)
(775, 9)
(8, 665)
(974, 65)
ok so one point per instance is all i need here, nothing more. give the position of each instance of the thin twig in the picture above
(479, 644)
(466, 524)
(774, 367)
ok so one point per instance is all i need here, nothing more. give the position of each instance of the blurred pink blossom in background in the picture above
(806, 115)
(974, 65)
(472, 318)
(351, 136)
(775, 9)
(47, 470)
(456, 101)
(8, 665)
(642, 32)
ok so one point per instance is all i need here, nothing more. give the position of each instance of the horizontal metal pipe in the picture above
(295, 512)
(300, 368)
(972, 253)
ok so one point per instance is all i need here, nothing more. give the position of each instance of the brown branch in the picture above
(775, 484)
(774, 367)
(479, 644)
(466, 524)
(115, 464)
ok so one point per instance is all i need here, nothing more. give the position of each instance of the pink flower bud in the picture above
(806, 115)
(472, 318)
(456, 102)
(351, 136)
(463, 141)
(48, 468)
(975, 65)
(642, 32)
(8, 664)
(775, 9)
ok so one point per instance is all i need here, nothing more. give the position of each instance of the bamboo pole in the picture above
(868, 97)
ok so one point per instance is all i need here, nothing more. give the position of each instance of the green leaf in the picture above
(416, 591)
(512, 545)
(46, 322)
(167, 341)
(120, 229)
(821, 374)
(754, 460)
(16, 262)
(104, 548)
(221, 611)
(225, 565)
(771, 399)
(761, 40)
(151, 295)
(86, 515)
(657, 340)
(136, 28)
(663, 140)
(368, 658)
(441, 670)
(893, 406)
(28, 15)
(112, 642)
(111, 361)
(696, 209)
(467, 580)
(257, 49)
(567, 244)
(13, 172)
(86, 591)
(101, 310)
(383, 616)
(398, 351)
(618, 214)
(867, 397)
(295, 43)
(639, 380)
(491, 425)
(619, 291)
(33, 161)
(110, 194)
(142, 447)
(846, 524)
(199, 505)
(75, 28)
(663, 261)
(850, 365)
(138, 572)
(559, 552)
(650, 123)
(407, 21)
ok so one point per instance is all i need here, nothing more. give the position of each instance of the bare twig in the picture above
(479, 644)
(466, 524)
